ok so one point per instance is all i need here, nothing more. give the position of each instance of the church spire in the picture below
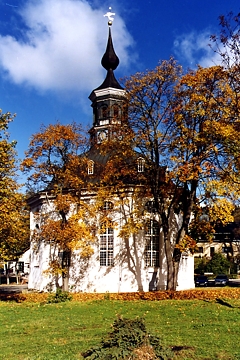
(109, 98)
(110, 60)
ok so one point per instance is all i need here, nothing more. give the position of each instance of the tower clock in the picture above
(102, 135)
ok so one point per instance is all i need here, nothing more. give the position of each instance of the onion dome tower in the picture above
(109, 98)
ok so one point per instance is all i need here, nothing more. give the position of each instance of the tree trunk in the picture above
(173, 258)
(65, 266)
(65, 281)
(176, 261)
(168, 254)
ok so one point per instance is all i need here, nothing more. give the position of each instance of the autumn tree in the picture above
(77, 207)
(226, 45)
(56, 166)
(180, 122)
(14, 215)
(53, 157)
(180, 127)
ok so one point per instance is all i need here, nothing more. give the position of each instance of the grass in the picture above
(196, 329)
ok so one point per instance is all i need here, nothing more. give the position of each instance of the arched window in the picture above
(152, 244)
(104, 111)
(115, 111)
(108, 205)
(90, 167)
(151, 207)
(106, 245)
(140, 164)
(95, 116)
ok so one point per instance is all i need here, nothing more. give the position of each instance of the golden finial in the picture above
(110, 17)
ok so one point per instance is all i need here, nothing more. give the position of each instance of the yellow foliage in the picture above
(222, 209)
(14, 216)
(187, 244)
(53, 154)
(185, 129)
(54, 268)
(194, 294)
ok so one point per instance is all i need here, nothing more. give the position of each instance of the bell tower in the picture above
(109, 98)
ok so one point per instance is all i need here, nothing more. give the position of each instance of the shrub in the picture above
(58, 297)
(219, 264)
(126, 339)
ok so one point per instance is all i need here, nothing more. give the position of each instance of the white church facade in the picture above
(137, 263)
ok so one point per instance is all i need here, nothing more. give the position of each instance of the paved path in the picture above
(12, 289)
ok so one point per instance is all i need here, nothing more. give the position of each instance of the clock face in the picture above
(118, 135)
(102, 135)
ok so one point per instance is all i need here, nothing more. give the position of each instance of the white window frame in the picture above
(140, 164)
(106, 247)
(90, 167)
(152, 248)
(108, 205)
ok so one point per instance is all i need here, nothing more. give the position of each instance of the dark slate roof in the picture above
(97, 156)
(110, 62)
(110, 81)
(100, 160)
(228, 232)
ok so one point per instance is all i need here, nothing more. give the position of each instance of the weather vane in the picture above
(110, 17)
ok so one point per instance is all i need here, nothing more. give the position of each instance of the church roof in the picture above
(110, 60)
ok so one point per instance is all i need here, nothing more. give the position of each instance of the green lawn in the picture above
(198, 329)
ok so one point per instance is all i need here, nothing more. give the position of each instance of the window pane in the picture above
(90, 167)
(108, 205)
(110, 258)
(103, 242)
(110, 242)
(103, 258)
(140, 164)
(110, 231)
(155, 244)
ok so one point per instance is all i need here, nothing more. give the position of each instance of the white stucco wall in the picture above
(128, 274)
(186, 272)
(86, 275)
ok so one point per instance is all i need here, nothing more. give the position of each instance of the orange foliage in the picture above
(187, 243)
(14, 224)
(195, 294)
(52, 155)
(183, 125)
(180, 125)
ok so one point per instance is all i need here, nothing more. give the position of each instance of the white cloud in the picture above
(62, 46)
(194, 49)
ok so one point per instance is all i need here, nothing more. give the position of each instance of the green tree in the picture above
(219, 264)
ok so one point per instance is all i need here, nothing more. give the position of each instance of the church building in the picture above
(115, 265)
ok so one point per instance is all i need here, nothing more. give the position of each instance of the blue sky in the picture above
(50, 51)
